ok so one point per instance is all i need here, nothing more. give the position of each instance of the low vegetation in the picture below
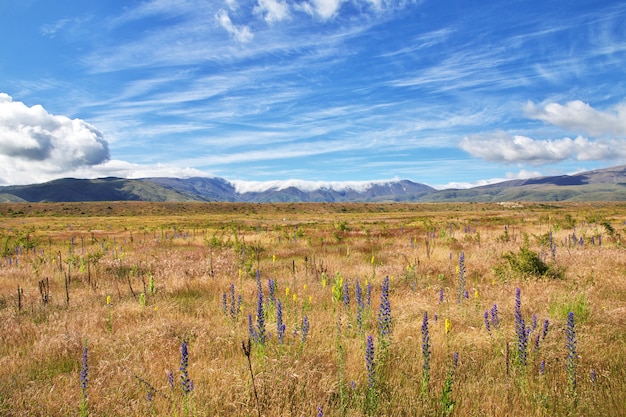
(194, 309)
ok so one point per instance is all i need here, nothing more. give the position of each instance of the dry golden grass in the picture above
(194, 252)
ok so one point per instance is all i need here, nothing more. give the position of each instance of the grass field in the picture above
(138, 309)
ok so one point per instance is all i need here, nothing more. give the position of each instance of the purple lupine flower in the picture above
(186, 383)
(537, 339)
(546, 324)
(369, 361)
(84, 372)
(461, 276)
(384, 314)
(425, 347)
(440, 295)
(542, 367)
(346, 294)
(170, 379)
(368, 294)
(251, 330)
(224, 308)
(320, 412)
(520, 329)
(305, 328)
(233, 305)
(593, 376)
(570, 333)
(533, 323)
(360, 306)
(260, 319)
(455, 359)
(280, 326)
(487, 322)
(495, 320)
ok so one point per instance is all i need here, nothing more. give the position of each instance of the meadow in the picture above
(219, 309)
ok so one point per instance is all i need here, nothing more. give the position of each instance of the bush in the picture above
(525, 264)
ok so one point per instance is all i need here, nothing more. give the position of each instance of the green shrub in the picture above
(525, 264)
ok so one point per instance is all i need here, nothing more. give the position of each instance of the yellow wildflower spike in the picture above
(295, 297)
(476, 293)
(304, 287)
(310, 299)
(372, 259)
(273, 258)
(448, 325)
(324, 282)
(286, 291)
(108, 300)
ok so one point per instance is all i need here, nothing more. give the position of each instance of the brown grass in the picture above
(194, 252)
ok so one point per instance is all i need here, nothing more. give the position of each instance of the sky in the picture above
(314, 92)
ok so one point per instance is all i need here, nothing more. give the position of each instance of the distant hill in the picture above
(600, 185)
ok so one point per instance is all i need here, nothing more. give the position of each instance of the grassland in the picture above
(100, 301)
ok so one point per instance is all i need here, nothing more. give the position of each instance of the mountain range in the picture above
(607, 184)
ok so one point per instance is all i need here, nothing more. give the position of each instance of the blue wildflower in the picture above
(369, 361)
(384, 314)
(186, 383)
(425, 349)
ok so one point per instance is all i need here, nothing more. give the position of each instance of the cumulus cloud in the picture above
(324, 9)
(578, 116)
(34, 142)
(272, 10)
(502, 147)
(241, 33)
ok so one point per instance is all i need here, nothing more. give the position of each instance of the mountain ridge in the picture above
(608, 184)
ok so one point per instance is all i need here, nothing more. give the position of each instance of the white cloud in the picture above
(51, 29)
(232, 4)
(272, 10)
(579, 116)
(324, 9)
(35, 144)
(241, 33)
(123, 169)
(502, 147)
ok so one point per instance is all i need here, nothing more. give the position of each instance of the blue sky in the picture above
(446, 93)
